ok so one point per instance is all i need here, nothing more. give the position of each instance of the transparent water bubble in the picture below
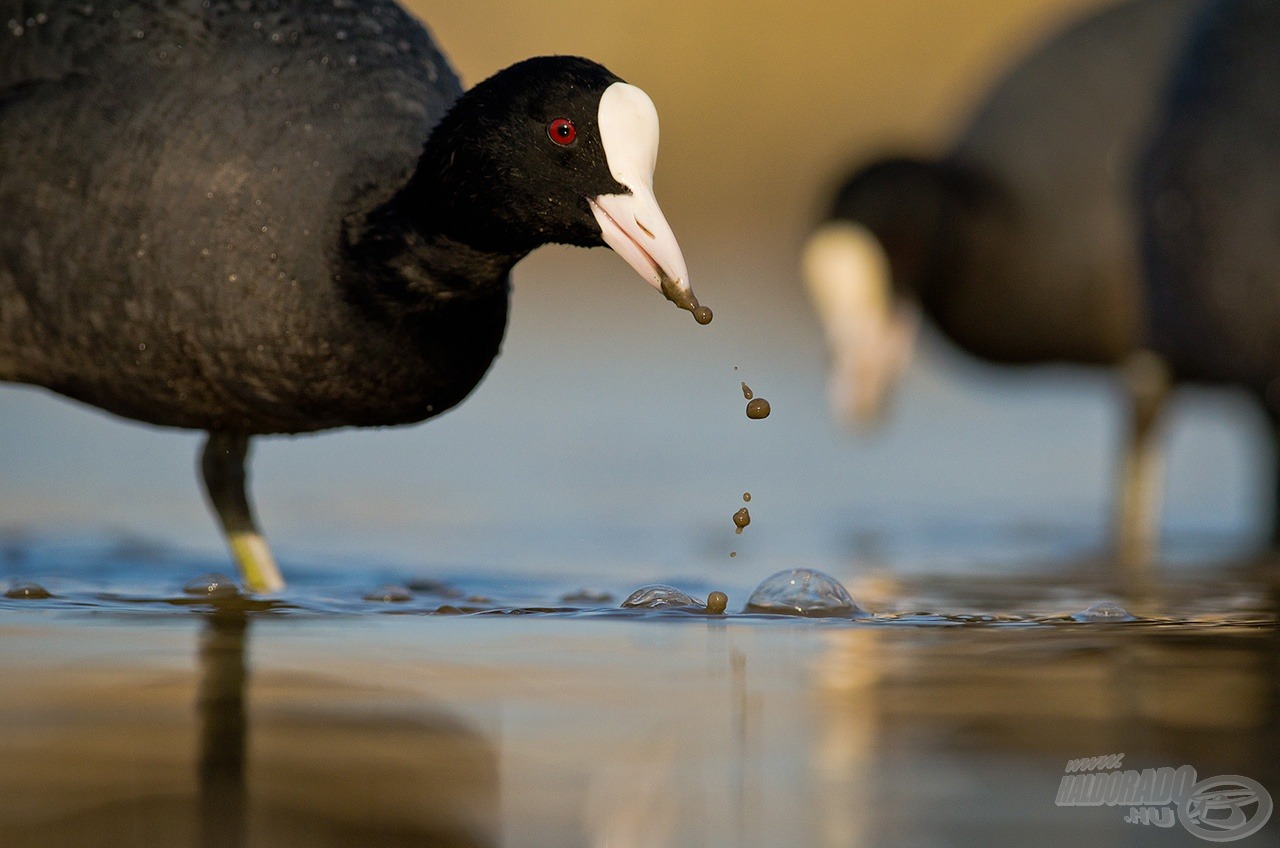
(390, 595)
(213, 585)
(803, 591)
(25, 590)
(1104, 611)
(658, 595)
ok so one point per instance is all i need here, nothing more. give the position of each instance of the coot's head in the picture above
(555, 149)
(881, 251)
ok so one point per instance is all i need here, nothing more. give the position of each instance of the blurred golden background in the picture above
(763, 105)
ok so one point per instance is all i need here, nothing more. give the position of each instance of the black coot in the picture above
(284, 216)
(1020, 244)
(1210, 191)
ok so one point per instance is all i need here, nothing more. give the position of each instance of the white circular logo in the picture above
(1225, 808)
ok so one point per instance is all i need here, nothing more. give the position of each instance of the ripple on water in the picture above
(213, 585)
(803, 591)
(26, 590)
(389, 595)
(1104, 611)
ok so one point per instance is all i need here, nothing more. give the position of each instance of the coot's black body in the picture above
(184, 186)
(281, 216)
(1211, 201)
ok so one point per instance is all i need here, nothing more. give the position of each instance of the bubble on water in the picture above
(803, 591)
(390, 595)
(212, 585)
(1104, 611)
(25, 590)
(758, 408)
(658, 595)
(716, 602)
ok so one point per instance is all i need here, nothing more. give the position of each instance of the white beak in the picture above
(633, 224)
(870, 333)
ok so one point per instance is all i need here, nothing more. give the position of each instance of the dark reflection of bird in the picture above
(1210, 189)
(1020, 244)
(281, 217)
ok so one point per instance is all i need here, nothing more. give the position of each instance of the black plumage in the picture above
(273, 216)
(1210, 194)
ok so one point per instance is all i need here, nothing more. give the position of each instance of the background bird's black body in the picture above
(1020, 242)
(1211, 200)
(184, 185)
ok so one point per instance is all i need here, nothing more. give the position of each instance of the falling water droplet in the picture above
(741, 519)
(758, 408)
(746, 392)
(716, 602)
(803, 591)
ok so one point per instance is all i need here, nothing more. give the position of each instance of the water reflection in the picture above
(223, 723)
(108, 757)
(287, 726)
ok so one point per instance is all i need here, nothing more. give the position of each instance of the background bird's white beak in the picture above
(870, 332)
(633, 224)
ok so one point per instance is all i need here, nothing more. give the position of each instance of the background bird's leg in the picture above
(1273, 421)
(223, 467)
(1147, 385)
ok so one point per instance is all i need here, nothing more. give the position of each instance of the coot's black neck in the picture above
(400, 264)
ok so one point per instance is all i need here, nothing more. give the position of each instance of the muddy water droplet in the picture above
(746, 392)
(659, 595)
(390, 595)
(746, 496)
(25, 590)
(716, 602)
(684, 298)
(803, 591)
(741, 519)
(758, 408)
(733, 553)
(1105, 611)
(213, 585)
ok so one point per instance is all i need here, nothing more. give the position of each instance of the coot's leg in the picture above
(1147, 385)
(223, 466)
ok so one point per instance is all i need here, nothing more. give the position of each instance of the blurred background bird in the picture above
(1021, 243)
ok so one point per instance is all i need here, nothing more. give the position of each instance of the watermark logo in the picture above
(1216, 809)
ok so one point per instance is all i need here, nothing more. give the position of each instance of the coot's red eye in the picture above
(562, 131)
